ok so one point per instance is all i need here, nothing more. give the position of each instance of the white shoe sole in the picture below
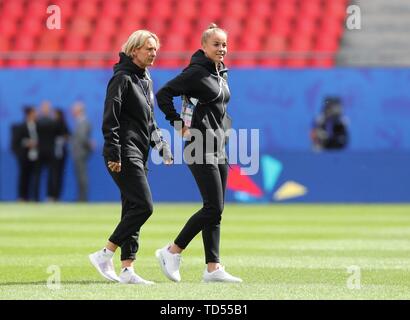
(219, 280)
(162, 265)
(139, 283)
(95, 264)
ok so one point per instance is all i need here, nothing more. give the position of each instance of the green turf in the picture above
(280, 251)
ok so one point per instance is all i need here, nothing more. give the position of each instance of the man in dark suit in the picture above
(47, 134)
(25, 147)
(82, 148)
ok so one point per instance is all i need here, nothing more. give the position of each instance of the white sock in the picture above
(107, 252)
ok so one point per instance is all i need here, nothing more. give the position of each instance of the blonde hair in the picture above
(212, 29)
(137, 40)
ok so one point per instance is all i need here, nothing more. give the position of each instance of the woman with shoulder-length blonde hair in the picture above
(204, 87)
(129, 129)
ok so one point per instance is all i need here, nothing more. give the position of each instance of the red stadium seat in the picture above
(285, 9)
(255, 26)
(129, 25)
(186, 9)
(33, 26)
(262, 9)
(161, 10)
(326, 44)
(100, 43)
(87, 9)
(306, 27)
(158, 26)
(280, 27)
(74, 43)
(236, 9)
(4, 43)
(36, 9)
(210, 11)
(80, 26)
(105, 27)
(310, 9)
(232, 25)
(174, 43)
(335, 9)
(24, 43)
(112, 9)
(8, 27)
(181, 27)
(136, 9)
(12, 9)
(66, 8)
(300, 47)
(252, 44)
(50, 41)
(263, 29)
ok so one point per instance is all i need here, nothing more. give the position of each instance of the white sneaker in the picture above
(103, 263)
(169, 263)
(219, 275)
(129, 276)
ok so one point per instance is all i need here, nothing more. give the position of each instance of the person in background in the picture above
(47, 132)
(81, 146)
(25, 147)
(330, 130)
(61, 153)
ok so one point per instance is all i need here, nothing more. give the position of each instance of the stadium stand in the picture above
(265, 32)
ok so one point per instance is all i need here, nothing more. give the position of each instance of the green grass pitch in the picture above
(280, 251)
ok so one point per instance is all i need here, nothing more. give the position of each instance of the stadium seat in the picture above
(262, 9)
(112, 9)
(255, 26)
(36, 9)
(74, 43)
(136, 9)
(186, 9)
(161, 10)
(50, 41)
(12, 9)
(181, 27)
(80, 26)
(237, 9)
(8, 27)
(100, 25)
(24, 43)
(100, 43)
(174, 43)
(87, 9)
(105, 27)
(4, 43)
(33, 26)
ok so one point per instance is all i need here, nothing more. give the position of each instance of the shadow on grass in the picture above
(38, 283)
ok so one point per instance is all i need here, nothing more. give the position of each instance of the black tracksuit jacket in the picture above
(200, 80)
(129, 127)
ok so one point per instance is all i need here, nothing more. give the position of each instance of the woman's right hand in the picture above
(114, 166)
